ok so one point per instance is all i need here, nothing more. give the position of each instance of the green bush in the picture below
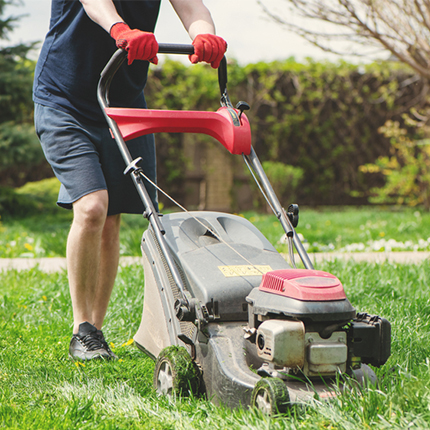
(44, 193)
(34, 197)
(19, 145)
(406, 170)
(284, 179)
(14, 204)
(320, 117)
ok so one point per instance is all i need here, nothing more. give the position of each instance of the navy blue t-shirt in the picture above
(75, 51)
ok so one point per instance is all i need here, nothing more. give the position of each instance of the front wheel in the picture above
(176, 373)
(270, 396)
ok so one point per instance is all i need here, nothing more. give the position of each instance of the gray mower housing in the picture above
(224, 280)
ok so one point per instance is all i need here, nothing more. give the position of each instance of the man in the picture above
(76, 141)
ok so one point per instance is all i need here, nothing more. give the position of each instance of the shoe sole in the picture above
(95, 357)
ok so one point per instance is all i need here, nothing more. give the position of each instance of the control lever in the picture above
(293, 214)
(242, 106)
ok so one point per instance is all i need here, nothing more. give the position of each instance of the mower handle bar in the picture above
(120, 55)
(102, 94)
(106, 77)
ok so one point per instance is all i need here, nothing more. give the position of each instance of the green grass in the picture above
(46, 235)
(351, 228)
(40, 388)
(326, 229)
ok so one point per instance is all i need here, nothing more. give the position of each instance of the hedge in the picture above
(320, 117)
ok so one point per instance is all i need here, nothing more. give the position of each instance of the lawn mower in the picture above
(224, 313)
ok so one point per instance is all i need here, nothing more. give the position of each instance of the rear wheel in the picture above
(176, 373)
(270, 396)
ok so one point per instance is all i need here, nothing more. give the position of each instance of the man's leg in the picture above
(84, 254)
(109, 259)
(92, 258)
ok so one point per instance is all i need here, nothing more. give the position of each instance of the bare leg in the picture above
(85, 259)
(109, 259)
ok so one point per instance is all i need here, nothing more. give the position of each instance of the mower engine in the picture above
(303, 324)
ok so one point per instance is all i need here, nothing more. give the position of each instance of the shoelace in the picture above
(91, 342)
(103, 340)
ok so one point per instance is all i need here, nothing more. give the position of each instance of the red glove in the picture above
(208, 48)
(140, 45)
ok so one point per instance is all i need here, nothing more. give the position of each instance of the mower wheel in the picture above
(176, 373)
(270, 396)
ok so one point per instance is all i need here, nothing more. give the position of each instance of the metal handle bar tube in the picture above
(167, 48)
(102, 92)
(150, 210)
(277, 208)
(120, 55)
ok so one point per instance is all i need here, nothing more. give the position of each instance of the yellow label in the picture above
(231, 271)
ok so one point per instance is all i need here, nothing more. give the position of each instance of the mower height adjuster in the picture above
(133, 166)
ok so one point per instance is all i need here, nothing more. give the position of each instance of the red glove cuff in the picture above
(208, 48)
(117, 29)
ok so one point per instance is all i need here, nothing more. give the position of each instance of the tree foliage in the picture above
(18, 142)
(401, 27)
(16, 72)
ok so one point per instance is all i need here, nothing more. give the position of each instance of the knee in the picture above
(111, 229)
(90, 211)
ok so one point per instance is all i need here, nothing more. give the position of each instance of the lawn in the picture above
(41, 388)
(323, 230)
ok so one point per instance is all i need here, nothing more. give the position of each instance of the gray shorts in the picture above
(85, 158)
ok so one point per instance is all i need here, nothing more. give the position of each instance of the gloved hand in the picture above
(208, 48)
(140, 45)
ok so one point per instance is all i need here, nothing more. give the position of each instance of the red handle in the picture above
(225, 125)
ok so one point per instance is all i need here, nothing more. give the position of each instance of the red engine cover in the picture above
(303, 284)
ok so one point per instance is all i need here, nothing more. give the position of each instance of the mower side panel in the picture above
(159, 326)
(152, 317)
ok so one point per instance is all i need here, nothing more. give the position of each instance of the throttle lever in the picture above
(242, 106)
